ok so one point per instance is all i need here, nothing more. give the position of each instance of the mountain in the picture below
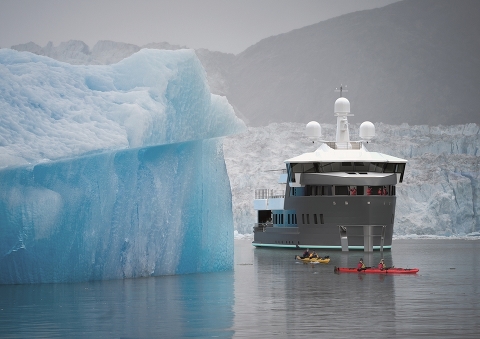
(412, 65)
(104, 52)
(414, 61)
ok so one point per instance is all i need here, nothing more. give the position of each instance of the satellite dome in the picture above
(342, 105)
(367, 130)
(313, 130)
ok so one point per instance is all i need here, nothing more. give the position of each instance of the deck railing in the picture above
(260, 227)
(344, 145)
(264, 193)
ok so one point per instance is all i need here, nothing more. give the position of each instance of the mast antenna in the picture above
(341, 89)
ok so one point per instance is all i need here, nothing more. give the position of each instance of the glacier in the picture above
(112, 172)
(440, 194)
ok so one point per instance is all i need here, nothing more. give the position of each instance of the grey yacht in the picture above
(341, 196)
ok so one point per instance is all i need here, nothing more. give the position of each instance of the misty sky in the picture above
(218, 25)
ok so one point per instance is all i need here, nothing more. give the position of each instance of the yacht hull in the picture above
(333, 222)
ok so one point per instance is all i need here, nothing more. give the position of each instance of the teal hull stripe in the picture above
(315, 246)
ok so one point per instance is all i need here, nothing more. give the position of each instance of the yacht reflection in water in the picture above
(294, 296)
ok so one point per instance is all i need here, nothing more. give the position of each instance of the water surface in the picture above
(268, 294)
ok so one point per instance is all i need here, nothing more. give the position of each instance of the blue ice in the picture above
(111, 172)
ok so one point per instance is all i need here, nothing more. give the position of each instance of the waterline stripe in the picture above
(315, 246)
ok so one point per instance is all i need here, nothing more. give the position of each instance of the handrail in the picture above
(264, 193)
(344, 145)
(263, 224)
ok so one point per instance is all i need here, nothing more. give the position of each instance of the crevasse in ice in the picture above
(114, 171)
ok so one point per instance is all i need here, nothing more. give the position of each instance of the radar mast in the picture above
(342, 111)
(341, 89)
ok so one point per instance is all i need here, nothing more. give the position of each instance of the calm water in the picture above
(268, 294)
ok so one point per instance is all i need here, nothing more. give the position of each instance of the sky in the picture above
(228, 26)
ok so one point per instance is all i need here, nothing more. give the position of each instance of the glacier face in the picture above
(440, 195)
(112, 171)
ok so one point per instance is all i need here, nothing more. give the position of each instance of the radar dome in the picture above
(313, 130)
(342, 105)
(367, 130)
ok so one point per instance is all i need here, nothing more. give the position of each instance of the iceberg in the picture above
(112, 172)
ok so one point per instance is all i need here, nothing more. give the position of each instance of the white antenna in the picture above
(341, 89)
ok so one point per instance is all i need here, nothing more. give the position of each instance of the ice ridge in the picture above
(112, 172)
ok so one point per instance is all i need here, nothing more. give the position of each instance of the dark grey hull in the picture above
(334, 222)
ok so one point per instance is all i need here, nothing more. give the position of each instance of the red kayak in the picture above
(392, 270)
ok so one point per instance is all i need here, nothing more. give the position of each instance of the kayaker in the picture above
(381, 265)
(306, 254)
(361, 266)
(313, 255)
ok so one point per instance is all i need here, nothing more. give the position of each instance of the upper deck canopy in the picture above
(355, 154)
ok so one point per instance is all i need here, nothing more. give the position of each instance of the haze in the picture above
(218, 25)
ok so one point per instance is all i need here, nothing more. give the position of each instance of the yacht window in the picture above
(389, 168)
(377, 190)
(360, 166)
(335, 167)
(325, 167)
(297, 168)
(346, 166)
(376, 167)
(290, 175)
(400, 169)
(327, 190)
(297, 191)
(341, 190)
(313, 190)
(309, 168)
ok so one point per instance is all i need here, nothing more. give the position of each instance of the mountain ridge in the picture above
(423, 73)
(413, 61)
